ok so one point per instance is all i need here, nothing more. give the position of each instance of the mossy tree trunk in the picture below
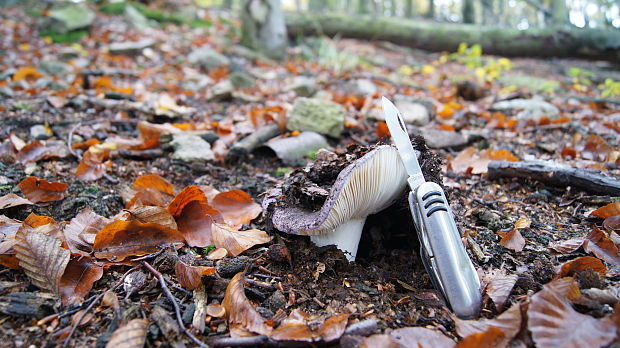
(469, 14)
(559, 13)
(409, 9)
(431, 9)
(433, 36)
(263, 27)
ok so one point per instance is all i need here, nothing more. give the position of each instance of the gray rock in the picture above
(418, 112)
(440, 139)
(222, 90)
(361, 87)
(130, 48)
(5, 91)
(291, 150)
(69, 18)
(135, 18)
(265, 312)
(190, 148)
(208, 58)
(5, 74)
(527, 109)
(39, 132)
(241, 80)
(55, 68)
(303, 86)
(317, 115)
(68, 53)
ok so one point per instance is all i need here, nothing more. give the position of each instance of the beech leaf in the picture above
(190, 277)
(581, 264)
(81, 231)
(236, 241)
(237, 207)
(608, 210)
(415, 337)
(599, 244)
(300, 326)
(240, 312)
(499, 287)
(567, 246)
(491, 338)
(79, 276)
(12, 200)
(39, 190)
(132, 335)
(509, 322)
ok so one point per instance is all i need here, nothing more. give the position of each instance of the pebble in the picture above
(227, 268)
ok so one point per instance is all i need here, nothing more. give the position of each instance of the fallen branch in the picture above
(556, 174)
(246, 145)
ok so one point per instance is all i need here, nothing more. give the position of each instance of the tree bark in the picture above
(431, 9)
(559, 13)
(317, 5)
(362, 7)
(263, 27)
(409, 9)
(432, 36)
(469, 14)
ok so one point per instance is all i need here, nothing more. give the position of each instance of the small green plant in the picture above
(609, 88)
(312, 155)
(470, 56)
(208, 249)
(580, 76)
(485, 70)
(22, 106)
(282, 171)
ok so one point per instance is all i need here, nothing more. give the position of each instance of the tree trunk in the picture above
(469, 14)
(487, 12)
(393, 8)
(362, 7)
(228, 4)
(431, 9)
(409, 9)
(548, 42)
(317, 5)
(263, 27)
(559, 13)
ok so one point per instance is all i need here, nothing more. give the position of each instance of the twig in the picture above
(171, 298)
(92, 304)
(70, 141)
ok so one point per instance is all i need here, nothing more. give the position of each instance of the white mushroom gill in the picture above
(370, 188)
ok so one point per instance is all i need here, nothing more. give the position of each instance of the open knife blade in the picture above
(398, 130)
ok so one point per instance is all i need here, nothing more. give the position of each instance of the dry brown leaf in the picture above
(39, 190)
(608, 296)
(217, 254)
(470, 161)
(300, 326)
(554, 323)
(567, 246)
(610, 209)
(611, 224)
(12, 200)
(94, 163)
(581, 264)
(110, 299)
(509, 322)
(81, 231)
(382, 341)
(414, 337)
(491, 338)
(190, 277)
(17, 142)
(132, 335)
(151, 189)
(196, 224)
(236, 241)
(83, 316)
(512, 240)
(121, 239)
(522, 223)
(240, 312)
(79, 276)
(216, 310)
(599, 244)
(42, 258)
(156, 215)
(237, 207)
(499, 287)
(37, 150)
(191, 194)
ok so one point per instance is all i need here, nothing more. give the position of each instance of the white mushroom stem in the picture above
(345, 237)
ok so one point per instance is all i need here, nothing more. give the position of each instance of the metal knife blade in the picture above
(398, 130)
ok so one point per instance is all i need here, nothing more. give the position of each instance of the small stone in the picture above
(208, 58)
(40, 132)
(418, 112)
(31, 168)
(361, 87)
(276, 301)
(68, 53)
(303, 86)
(441, 139)
(241, 80)
(55, 68)
(227, 268)
(321, 116)
(190, 148)
(69, 18)
(5, 91)
(4, 180)
(527, 109)
(222, 90)
(135, 18)
(130, 48)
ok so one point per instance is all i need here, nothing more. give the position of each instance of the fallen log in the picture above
(243, 147)
(556, 174)
(435, 36)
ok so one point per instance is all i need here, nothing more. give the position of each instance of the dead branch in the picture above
(246, 145)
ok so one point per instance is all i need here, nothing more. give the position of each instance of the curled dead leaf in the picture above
(240, 313)
(300, 326)
(132, 335)
(508, 322)
(236, 207)
(39, 190)
(151, 189)
(608, 210)
(81, 231)
(567, 246)
(499, 287)
(156, 215)
(94, 163)
(415, 337)
(190, 277)
(236, 241)
(78, 278)
(491, 338)
(12, 200)
(611, 224)
(216, 310)
(37, 150)
(121, 239)
(599, 244)
(581, 264)
(512, 240)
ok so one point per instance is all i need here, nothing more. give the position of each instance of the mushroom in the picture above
(366, 186)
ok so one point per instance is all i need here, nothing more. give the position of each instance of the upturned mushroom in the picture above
(366, 186)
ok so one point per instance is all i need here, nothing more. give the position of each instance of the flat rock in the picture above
(130, 48)
(70, 18)
(415, 111)
(303, 86)
(527, 109)
(317, 115)
(222, 90)
(135, 18)
(291, 150)
(441, 139)
(191, 148)
(241, 80)
(361, 87)
(40, 132)
(208, 58)
(55, 68)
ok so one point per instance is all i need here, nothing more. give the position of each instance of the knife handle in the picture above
(445, 257)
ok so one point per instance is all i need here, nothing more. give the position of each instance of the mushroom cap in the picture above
(366, 186)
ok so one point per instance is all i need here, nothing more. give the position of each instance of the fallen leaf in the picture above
(41, 256)
(79, 276)
(192, 194)
(37, 150)
(17, 142)
(196, 224)
(508, 322)
(491, 338)
(599, 244)
(300, 326)
(608, 296)
(499, 287)
(153, 190)
(420, 336)
(471, 161)
(110, 299)
(581, 264)
(132, 335)
(611, 223)
(554, 323)
(512, 240)
(240, 313)
(12, 200)
(567, 246)
(382, 132)
(156, 215)
(237, 207)
(94, 163)
(236, 241)
(81, 231)
(40, 190)
(26, 73)
(610, 209)
(121, 239)
(217, 254)
(216, 310)
(522, 223)
(190, 277)
(383, 341)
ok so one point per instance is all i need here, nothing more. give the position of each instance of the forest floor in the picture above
(538, 249)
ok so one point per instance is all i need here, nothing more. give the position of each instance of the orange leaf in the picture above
(39, 190)
(569, 152)
(122, 239)
(299, 326)
(156, 215)
(94, 164)
(36, 150)
(420, 336)
(446, 127)
(382, 131)
(189, 194)
(195, 224)
(513, 240)
(610, 209)
(236, 241)
(240, 313)
(491, 338)
(151, 190)
(12, 200)
(26, 73)
(599, 244)
(80, 275)
(81, 231)
(581, 264)
(237, 207)
(503, 155)
(190, 277)
(509, 322)
(84, 145)
(446, 112)
(153, 181)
